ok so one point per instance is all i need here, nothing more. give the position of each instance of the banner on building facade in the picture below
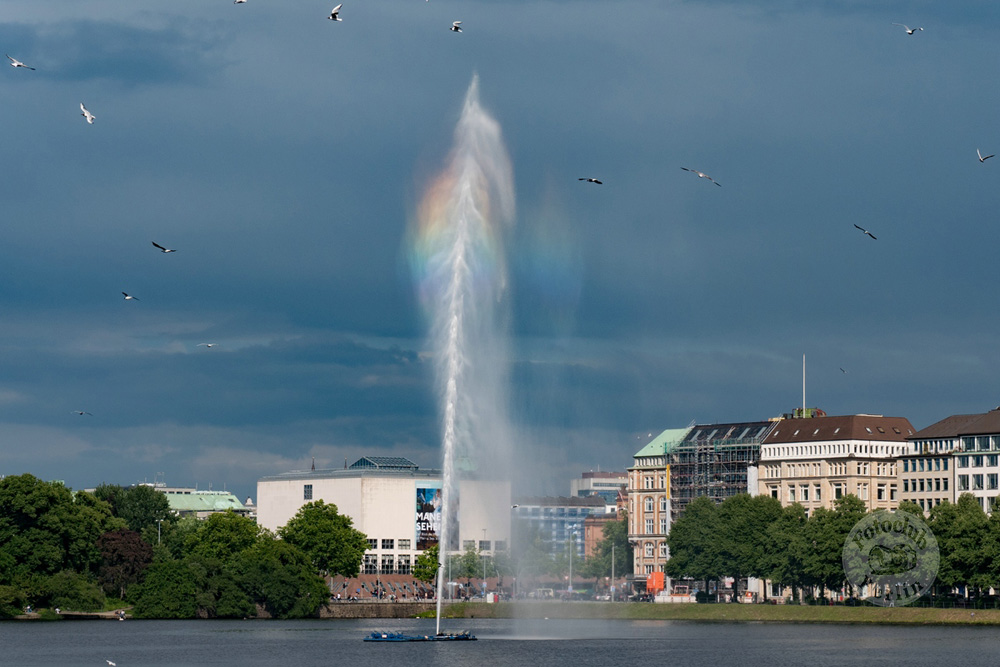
(429, 508)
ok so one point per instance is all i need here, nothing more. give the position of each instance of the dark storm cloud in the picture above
(128, 55)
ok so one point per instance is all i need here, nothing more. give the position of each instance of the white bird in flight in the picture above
(983, 158)
(335, 14)
(866, 232)
(162, 249)
(106, 660)
(129, 297)
(702, 174)
(591, 180)
(454, 26)
(14, 62)
(908, 29)
(206, 344)
(86, 114)
(81, 413)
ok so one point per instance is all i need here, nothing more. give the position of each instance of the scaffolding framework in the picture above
(712, 461)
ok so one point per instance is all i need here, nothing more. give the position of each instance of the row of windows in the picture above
(926, 465)
(921, 485)
(649, 525)
(648, 547)
(977, 482)
(785, 451)
(815, 469)
(981, 443)
(387, 544)
(977, 461)
(649, 502)
(400, 565)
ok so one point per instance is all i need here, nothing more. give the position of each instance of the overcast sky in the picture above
(284, 155)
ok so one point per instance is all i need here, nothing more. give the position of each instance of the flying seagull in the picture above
(983, 158)
(129, 297)
(843, 371)
(106, 660)
(81, 413)
(866, 232)
(335, 14)
(86, 114)
(14, 62)
(702, 174)
(454, 26)
(239, 2)
(591, 180)
(162, 249)
(206, 344)
(908, 29)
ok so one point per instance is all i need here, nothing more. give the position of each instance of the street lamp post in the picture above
(612, 572)
(572, 534)
(484, 563)
(158, 522)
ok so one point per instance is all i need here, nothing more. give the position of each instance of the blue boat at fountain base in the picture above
(465, 636)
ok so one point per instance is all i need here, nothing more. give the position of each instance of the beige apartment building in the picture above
(815, 460)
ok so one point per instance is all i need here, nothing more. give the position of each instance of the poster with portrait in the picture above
(428, 515)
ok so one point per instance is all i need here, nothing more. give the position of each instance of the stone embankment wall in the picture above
(375, 609)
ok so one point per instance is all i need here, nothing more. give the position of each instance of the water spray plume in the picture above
(459, 267)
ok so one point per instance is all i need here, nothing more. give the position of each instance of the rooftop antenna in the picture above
(313, 464)
(803, 385)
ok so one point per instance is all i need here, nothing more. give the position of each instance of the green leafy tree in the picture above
(744, 522)
(787, 548)
(124, 558)
(426, 567)
(614, 543)
(694, 543)
(142, 506)
(960, 529)
(169, 590)
(826, 533)
(327, 537)
(44, 528)
(280, 578)
(70, 590)
(223, 535)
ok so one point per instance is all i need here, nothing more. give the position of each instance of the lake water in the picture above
(535, 643)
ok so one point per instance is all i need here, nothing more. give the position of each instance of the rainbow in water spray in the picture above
(458, 264)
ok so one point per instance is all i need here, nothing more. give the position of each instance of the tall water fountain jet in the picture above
(461, 276)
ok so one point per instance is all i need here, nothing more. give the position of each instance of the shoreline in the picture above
(630, 611)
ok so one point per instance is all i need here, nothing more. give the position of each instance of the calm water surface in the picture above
(535, 643)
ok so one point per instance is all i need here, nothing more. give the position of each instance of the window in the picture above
(791, 494)
(944, 483)
(369, 565)
(892, 492)
(977, 461)
(963, 482)
(937, 464)
(663, 524)
(937, 484)
(805, 493)
(991, 460)
(863, 491)
(372, 544)
(991, 481)
(906, 486)
(649, 504)
(880, 491)
(468, 545)
(906, 465)
(838, 490)
(921, 485)
(647, 482)
(663, 549)
(484, 545)
(648, 569)
(647, 549)
(920, 465)
(663, 503)
(387, 544)
(307, 492)
(403, 565)
(774, 492)
(963, 461)
(500, 545)
(977, 482)
(818, 495)
(945, 464)
(649, 527)
(404, 545)
(387, 565)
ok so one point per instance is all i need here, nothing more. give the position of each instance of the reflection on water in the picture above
(534, 643)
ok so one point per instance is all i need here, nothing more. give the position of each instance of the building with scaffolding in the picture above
(712, 461)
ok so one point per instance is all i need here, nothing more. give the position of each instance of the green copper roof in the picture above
(204, 501)
(664, 442)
